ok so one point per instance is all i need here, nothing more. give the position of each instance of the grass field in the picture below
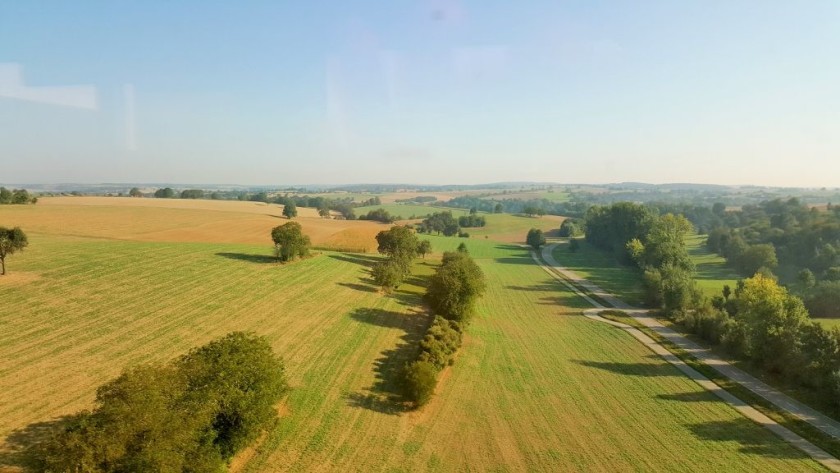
(536, 387)
(625, 281)
(602, 269)
(712, 272)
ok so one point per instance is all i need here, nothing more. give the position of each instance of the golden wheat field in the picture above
(536, 386)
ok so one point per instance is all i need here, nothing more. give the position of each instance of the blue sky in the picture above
(444, 91)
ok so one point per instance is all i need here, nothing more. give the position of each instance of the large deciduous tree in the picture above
(290, 209)
(12, 240)
(289, 241)
(535, 238)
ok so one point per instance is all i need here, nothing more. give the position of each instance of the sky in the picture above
(425, 91)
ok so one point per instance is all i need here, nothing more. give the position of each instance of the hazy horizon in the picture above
(440, 91)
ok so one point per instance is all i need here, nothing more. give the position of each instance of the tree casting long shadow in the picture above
(261, 259)
(761, 442)
(21, 446)
(650, 370)
(386, 395)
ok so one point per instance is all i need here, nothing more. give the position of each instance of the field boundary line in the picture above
(745, 409)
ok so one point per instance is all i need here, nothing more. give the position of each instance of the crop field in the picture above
(536, 387)
(178, 220)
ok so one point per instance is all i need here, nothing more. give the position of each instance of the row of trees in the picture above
(764, 323)
(452, 293)
(16, 196)
(760, 321)
(192, 414)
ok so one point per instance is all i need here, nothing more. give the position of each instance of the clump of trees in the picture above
(455, 287)
(420, 199)
(401, 246)
(473, 220)
(192, 194)
(439, 222)
(135, 192)
(535, 238)
(453, 290)
(16, 196)
(570, 228)
(165, 193)
(12, 240)
(192, 414)
(289, 241)
(533, 211)
(290, 209)
(379, 215)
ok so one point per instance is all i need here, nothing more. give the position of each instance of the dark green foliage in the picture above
(471, 221)
(755, 257)
(135, 192)
(424, 248)
(574, 245)
(610, 228)
(165, 193)
(441, 342)
(192, 194)
(420, 380)
(498, 208)
(535, 238)
(191, 415)
(290, 209)
(570, 228)
(388, 274)
(289, 241)
(16, 196)
(533, 211)
(462, 248)
(399, 243)
(379, 215)
(420, 199)
(12, 240)
(823, 299)
(439, 222)
(455, 286)
(242, 379)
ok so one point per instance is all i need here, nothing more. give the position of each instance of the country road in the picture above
(824, 423)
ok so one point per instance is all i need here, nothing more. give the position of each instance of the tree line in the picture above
(16, 196)
(192, 414)
(760, 321)
(452, 293)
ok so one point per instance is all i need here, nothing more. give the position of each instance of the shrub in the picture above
(420, 381)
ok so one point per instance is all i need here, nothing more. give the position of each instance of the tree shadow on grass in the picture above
(21, 446)
(358, 287)
(261, 259)
(548, 286)
(386, 396)
(648, 370)
(699, 396)
(367, 261)
(746, 433)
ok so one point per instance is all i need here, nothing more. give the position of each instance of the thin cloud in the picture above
(12, 87)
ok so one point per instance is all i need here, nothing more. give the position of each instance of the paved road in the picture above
(818, 420)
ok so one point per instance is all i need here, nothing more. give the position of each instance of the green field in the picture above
(712, 272)
(536, 387)
(625, 281)
(602, 269)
